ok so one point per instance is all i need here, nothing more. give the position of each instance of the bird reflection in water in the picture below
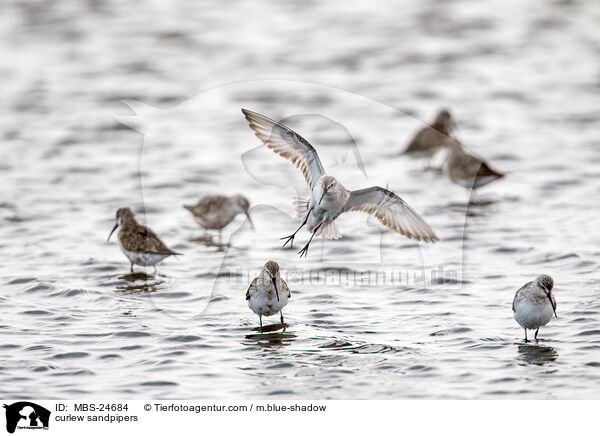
(210, 241)
(271, 336)
(139, 282)
(537, 354)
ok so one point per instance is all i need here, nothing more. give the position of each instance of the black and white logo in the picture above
(26, 415)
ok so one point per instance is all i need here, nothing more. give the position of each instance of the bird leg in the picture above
(154, 269)
(536, 332)
(290, 238)
(525, 335)
(260, 320)
(304, 251)
(281, 312)
(131, 267)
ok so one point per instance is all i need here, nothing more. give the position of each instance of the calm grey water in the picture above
(357, 81)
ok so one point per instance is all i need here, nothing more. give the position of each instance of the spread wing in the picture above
(251, 288)
(288, 144)
(391, 211)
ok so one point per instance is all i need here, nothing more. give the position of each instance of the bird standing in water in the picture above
(329, 198)
(268, 293)
(140, 244)
(534, 304)
(214, 212)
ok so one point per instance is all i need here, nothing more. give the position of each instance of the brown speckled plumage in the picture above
(137, 237)
(272, 268)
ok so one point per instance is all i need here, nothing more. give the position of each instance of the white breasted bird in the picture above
(534, 304)
(268, 293)
(329, 198)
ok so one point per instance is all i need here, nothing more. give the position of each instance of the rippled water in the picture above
(357, 81)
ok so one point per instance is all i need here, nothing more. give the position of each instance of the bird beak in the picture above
(276, 291)
(250, 220)
(552, 304)
(324, 192)
(112, 231)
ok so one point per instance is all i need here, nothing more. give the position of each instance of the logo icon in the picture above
(26, 415)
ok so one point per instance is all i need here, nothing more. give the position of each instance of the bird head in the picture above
(123, 216)
(546, 282)
(271, 268)
(327, 183)
(243, 206)
(443, 121)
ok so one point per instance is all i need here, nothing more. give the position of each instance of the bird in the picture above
(430, 139)
(329, 198)
(467, 169)
(214, 212)
(140, 244)
(268, 293)
(534, 304)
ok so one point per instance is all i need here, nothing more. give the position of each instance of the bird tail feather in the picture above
(301, 206)
(330, 231)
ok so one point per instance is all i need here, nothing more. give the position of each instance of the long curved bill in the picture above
(112, 231)
(276, 291)
(250, 220)
(324, 192)
(552, 304)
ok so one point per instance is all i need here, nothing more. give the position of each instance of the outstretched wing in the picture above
(391, 211)
(288, 144)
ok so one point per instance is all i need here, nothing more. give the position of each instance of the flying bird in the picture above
(329, 198)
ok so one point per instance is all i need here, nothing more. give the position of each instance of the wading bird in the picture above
(140, 244)
(534, 304)
(268, 293)
(214, 212)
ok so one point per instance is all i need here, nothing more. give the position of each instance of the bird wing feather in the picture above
(252, 287)
(391, 211)
(519, 294)
(148, 241)
(288, 144)
(285, 288)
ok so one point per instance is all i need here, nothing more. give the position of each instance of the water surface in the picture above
(522, 82)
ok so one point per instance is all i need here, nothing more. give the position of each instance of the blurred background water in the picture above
(357, 80)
